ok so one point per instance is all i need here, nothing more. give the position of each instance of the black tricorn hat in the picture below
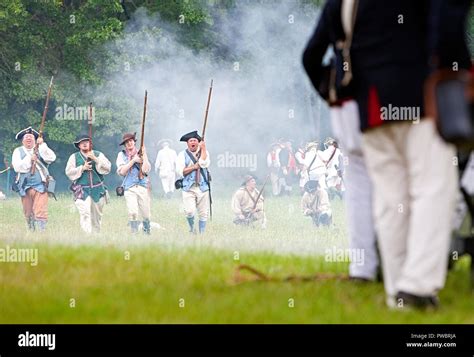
(192, 135)
(128, 136)
(80, 138)
(311, 186)
(29, 130)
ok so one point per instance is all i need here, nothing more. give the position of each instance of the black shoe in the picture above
(359, 279)
(404, 299)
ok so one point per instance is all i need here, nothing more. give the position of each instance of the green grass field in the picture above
(175, 277)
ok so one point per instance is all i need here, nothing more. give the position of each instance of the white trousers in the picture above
(138, 203)
(196, 200)
(167, 182)
(358, 191)
(415, 186)
(90, 214)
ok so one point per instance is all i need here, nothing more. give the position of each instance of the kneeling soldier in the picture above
(32, 186)
(247, 204)
(315, 203)
(86, 168)
(137, 193)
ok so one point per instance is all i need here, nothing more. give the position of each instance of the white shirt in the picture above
(24, 166)
(166, 162)
(73, 173)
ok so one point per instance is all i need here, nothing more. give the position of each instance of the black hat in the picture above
(311, 186)
(29, 130)
(80, 139)
(128, 136)
(247, 178)
(192, 135)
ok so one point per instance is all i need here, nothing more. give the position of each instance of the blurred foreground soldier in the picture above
(86, 168)
(315, 204)
(335, 168)
(273, 163)
(335, 27)
(247, 204)
(414, 189)
(32, 186)
(137, 189)
(192, 165)
(166, 165)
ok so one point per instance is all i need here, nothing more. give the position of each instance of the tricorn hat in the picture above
(128, 136)
(80, 138)
(192, 135)
(29, 130)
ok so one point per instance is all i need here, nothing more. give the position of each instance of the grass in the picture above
(171, 265)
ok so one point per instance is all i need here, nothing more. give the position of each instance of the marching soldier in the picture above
(273, 163)
(192, 165)
(315, 203)
(166, 165)
(247, 204)
(86, 168)
(314, 164)
(299, 158)
(32, 187)
(335, 168)
(136, 189)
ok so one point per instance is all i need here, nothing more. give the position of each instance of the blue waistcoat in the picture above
(132, 179)
(190, 179)
(27, 180)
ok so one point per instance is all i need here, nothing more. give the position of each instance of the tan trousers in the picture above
(90, 214)
(35, 205)
(138, 203)
(196, 200)
(415, 186)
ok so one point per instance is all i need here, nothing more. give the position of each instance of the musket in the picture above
(5, 170)
(90, 142)
(43, 119)
(261, 192)
(142, 143)
(249, 214)
(207, 110)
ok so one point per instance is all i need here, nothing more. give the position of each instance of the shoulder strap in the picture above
(194, 160)
(312, 162)
(250, 195)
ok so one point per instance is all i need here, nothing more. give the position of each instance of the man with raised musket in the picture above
(32, 176)
(192, 164)
(136, 187)
(86, 168)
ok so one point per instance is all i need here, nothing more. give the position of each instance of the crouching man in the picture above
(247, 204)
(315, 204)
